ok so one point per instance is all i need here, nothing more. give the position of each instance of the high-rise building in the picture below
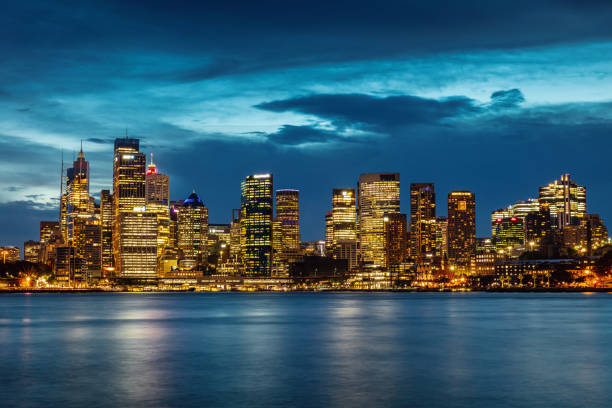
(597, 233)
(566, 201)
(193, 229)
(519, 210)
(378, 195)
(341, 227)
(157, 193)
(77, 196)
(91, 248)
(132, 232)
(67, 265)
(63, 218)
(106, 227)
(538, 227)
(396, 239)
(442, 237)
(235, 238)
(461, 228)
(219, 238)
(329, 233)
(46, 229)
(288, 216)
(422, 220)
(343, 218)
(31, 251)
(138, 244)
(256, 224)
(509, 232)
(157, 185)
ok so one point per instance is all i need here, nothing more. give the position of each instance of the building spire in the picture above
(151, 169)
(81, 155)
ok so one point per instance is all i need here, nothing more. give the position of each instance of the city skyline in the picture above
(483, 218)
(484, 99)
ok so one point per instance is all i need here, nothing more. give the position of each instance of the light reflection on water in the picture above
(304, 349)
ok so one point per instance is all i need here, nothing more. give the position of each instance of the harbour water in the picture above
(306, 349)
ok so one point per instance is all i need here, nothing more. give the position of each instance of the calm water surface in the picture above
(306, 349)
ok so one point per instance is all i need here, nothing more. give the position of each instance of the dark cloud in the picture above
(299, 135)
(246, 36)
(373, 113)
(507, 99)
(98, 140)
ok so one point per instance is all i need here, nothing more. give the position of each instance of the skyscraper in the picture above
(442, 237)
(288, 217)
(193, 229)
(422, 220)
(77, 197)
(378, 195)
(461, 228)
(46, 230)
(106, 226)
(157, 192)
(256, 224)
(343, 226)
(396, 239)
(135, 253)
(566, 201)
(509, 232)
(91, 248)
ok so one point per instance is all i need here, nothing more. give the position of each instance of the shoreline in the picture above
(409, 290)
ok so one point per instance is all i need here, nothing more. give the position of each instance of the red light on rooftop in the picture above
(513, 219)
(499, 220)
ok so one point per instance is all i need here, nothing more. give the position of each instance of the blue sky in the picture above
(494, 97)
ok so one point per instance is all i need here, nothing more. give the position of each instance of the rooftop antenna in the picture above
(126, 132)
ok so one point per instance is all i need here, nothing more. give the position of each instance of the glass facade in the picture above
(461, 229)
(256, 224)
(378, 195)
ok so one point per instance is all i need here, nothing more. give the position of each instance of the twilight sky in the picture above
(495, 97)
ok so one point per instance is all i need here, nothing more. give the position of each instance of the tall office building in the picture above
(565, 200)
(597, 233)
(509, 232)
(134, 240)
(256, 224)
(442, 237)
(106, 227)
(50, 237)
(422, 220)
(235, 237)
(90, 239)
(63, 216)
(46, 230)
(77, 197)
(461, 228)
(157, 192)
(378, 195)
(67, 265)
(396, 239)
(343, 226)
(520, 210)
(288, 218)
(538, 226)
(193, 229)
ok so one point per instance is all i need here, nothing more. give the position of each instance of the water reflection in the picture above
(435, 350)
